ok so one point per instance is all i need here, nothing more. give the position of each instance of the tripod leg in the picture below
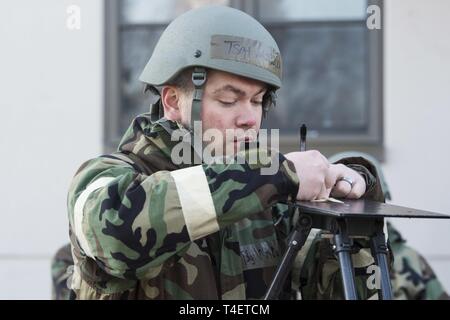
(343, 246)
(379, 252)
(296, 241)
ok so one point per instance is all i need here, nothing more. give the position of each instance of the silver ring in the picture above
(348, 180)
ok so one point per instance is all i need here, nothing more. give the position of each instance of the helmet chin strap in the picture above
(269, 100)
(156, 109)
(198, 79)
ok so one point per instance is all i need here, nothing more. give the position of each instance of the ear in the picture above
(171, 101)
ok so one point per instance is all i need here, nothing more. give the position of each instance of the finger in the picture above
(324, 193)
(310, 193)
(311, 189)
(331, 176)
(358, 190)
(341, 190)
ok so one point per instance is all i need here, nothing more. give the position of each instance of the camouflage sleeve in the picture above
(129, 222)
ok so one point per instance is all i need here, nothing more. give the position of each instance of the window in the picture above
(332, 67)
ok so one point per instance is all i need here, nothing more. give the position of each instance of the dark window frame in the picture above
(372, 142)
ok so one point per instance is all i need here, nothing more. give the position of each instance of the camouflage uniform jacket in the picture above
(61, 272)
(142, 227)
(412, 277)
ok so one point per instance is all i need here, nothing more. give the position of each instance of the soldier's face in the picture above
(231, 110)
(232, 105)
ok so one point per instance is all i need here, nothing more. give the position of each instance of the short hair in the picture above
(183, 80)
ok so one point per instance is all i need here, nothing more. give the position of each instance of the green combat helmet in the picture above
(215, 37)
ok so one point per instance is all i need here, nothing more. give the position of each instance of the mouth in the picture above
(243, 140)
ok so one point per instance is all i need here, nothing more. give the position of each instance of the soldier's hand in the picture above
(312, 171)
(348, 183)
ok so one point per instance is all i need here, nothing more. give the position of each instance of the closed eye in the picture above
(227, 103)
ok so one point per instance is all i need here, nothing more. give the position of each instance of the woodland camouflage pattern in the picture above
(139, 238)
(412, 277)
(133, 239)
(61, 269)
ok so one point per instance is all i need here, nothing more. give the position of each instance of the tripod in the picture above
(354, 218)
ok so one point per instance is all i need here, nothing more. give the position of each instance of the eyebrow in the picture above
(235, 90)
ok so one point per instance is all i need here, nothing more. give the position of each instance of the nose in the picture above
(247, 116)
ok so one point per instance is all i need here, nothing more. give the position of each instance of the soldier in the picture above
(145, 226)
(412, 277)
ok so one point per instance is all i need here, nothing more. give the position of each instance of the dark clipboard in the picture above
(363, 208)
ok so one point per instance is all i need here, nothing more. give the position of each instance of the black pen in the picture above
(303, 137)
